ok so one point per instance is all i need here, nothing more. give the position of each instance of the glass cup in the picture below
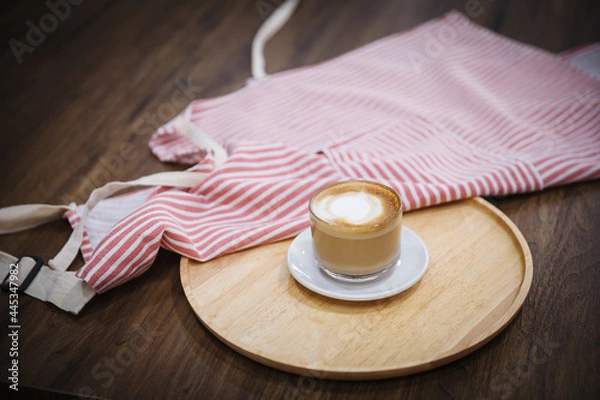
(356, 227)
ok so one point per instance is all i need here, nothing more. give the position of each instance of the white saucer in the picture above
(413, 263)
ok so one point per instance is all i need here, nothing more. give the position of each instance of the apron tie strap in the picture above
(267, 30)
(27, 216)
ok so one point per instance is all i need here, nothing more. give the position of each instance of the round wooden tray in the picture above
(479, 274)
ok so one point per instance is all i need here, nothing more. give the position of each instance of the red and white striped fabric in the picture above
(446, 111)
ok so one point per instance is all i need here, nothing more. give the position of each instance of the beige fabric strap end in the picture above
(63, 289)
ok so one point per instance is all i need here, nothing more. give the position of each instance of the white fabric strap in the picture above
(268, 29)
(63, 289)
(27, 216)
(201, 139)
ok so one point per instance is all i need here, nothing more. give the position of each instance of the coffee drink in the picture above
(356, 229)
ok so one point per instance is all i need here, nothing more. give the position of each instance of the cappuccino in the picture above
(356, 229)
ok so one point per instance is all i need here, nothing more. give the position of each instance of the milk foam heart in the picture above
(355, 204)
(353, 208)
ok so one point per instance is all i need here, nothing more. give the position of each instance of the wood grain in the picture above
(479, 275)
(98, 82)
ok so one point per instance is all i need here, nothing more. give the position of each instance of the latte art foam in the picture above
(355, 204)
(349, 208)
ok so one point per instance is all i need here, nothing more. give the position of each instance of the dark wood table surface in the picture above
(77, 111)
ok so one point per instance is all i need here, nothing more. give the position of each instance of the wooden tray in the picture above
(479, 274)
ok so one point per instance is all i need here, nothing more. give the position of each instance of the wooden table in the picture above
(78, 111)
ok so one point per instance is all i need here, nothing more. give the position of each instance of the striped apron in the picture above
(445, 111)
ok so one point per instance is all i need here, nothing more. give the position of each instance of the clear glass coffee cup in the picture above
(356, 227)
